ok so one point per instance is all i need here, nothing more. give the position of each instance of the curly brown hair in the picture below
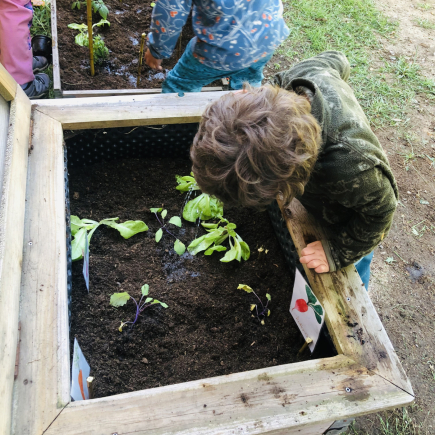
(251, 146)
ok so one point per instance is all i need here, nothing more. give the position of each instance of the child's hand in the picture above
(315, 258)
(151, 61)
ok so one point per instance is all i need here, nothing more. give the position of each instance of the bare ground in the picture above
(403, 281)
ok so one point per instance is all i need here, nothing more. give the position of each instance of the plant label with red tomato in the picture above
(309, 315)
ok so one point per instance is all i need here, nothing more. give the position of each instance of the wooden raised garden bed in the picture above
(299, 398)
(116, 76)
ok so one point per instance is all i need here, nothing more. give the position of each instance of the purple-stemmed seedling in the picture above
(261, 312)
(120, 299)
(179, 247)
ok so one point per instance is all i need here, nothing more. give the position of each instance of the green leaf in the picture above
(145, 289)
(76, 26)
(101, 23)
(175, 220)
(209, 226)
(318, 318)
(317, 309)
(246, 253)
(164, 213)
(164, 305)
(155, 210)
(148, 300)
(77, 223)
(268, 297)
(231, 255)
(78, 244)
(204, 207)
(231, 226)
(127, 229)
(311, 298)
(103, 11)
(119, 299)
(268, 313)
(186, 183)
(81, 39)
(152, 4)
(218, 248)
(179, 247)
(245, 287)
(159, 235)
(203, 242)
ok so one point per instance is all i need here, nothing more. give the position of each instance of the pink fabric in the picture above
(15, 44)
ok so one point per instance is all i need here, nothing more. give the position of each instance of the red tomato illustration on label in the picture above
(301, 305)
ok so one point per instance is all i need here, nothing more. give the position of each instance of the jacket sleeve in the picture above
(334, 62)
(168, 19)
(373, 201)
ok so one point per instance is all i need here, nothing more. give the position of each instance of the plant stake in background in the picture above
(91, 41)
(142, 45)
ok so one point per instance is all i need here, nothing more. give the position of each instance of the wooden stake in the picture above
(90, 37)
(89, 382)
(305, 345)
(139, 69)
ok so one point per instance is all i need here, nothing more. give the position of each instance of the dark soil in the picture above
(208, 329)
(128, 20)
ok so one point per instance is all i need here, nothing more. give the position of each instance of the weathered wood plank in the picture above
(42, 386)
(8, 86)
(12, 205)
(55, 52)
(351, 317)
(106, 112)
(4, 128)
(256, 402)
(119, 92)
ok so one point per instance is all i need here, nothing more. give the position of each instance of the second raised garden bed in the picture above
(118, 73)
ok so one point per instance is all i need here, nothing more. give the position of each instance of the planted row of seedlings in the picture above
(158, 311)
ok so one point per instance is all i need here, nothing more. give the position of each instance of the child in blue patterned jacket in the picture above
(234, 38)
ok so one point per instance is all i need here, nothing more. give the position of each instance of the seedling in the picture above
(97, 6)
(179, 247)
(101, 52)
(302, 305)
(81, 227)
(216, 236)
(120, 299)
(390, 260)
(261, 312)
(204, 206)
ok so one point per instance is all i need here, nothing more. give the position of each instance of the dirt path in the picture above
(402, 286)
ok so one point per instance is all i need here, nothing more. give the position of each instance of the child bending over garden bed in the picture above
(233, 39)
(306, 137)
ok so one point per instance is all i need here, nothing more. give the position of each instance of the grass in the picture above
(354, 27)
(426, 24)
(424, 6)
(41, 20)
(397, 422)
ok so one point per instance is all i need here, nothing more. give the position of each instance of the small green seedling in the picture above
(179, 247)
(81, 227)
(101, 52)
(216, 236)
(390, 260)
(264, 310)
(204, 206)
(97, 6)
(120, 299)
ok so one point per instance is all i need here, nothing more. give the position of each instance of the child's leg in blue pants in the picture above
(190, 75)
(363, 268)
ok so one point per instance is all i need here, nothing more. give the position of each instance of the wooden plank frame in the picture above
(303, 398)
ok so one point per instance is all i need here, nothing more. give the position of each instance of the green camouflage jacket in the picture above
(352, 190)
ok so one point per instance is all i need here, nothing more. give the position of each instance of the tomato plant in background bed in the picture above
(97, 6)
(81, 227)
(101, 52)
(120, 299)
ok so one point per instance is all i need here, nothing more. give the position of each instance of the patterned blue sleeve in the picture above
(169, 17)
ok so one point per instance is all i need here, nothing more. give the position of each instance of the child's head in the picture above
(253, 145)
